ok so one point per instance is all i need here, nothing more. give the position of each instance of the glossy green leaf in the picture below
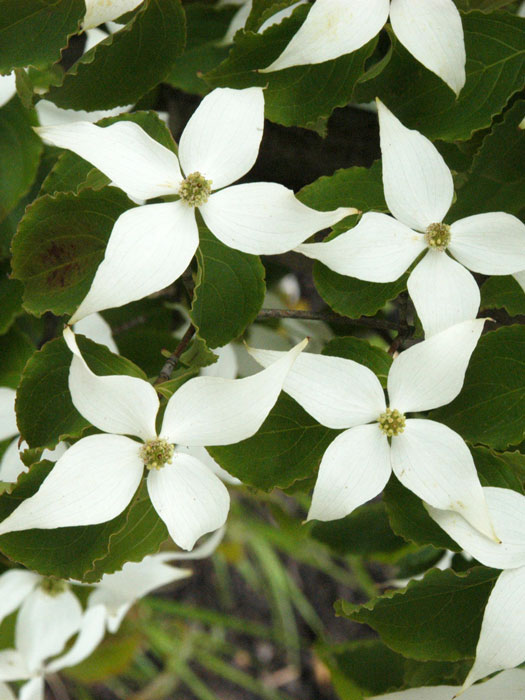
(366, 531)
(11, 296)
(437, 618)
(44, 408)
(206, 26)
(33, 32)
(360, 350)
(15, 350)
(288, 446)
(503, 292)
(495, 180)
(296, 96)
(21, 149)
(491, 406)
(229, 291)
(60, 243)
(147, 46)
(495, 46)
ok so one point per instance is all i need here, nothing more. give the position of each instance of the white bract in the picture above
(419, 191)
(97, 329)
(151, 246)
(11, 465)
(520, 278)
(7, 88)
(430, 30)
(117, 592)
(502, 642)
(509, 685)
(427, 457)
(50, 614)
(101, 11)
(98, 476)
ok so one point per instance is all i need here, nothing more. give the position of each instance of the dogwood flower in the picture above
(7, 87)
(520, 278)
(117, 592)
(98, 476)
(430, 30)
(419, 191)
(151, 246)
(509, 685)
(11, 465)
(50, 614)
(427, 457)
(501, 642)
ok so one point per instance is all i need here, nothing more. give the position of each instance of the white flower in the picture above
(101, 11)
(151, 246)
(50, 614)
(419, 191)
(117, 592)
(430, 30)
(7, 88)
(11, 465)
(501, 642)
(520, 278)
(98, 476)
(427, 457)
(97, 329)
(509, 685)
(242, 14)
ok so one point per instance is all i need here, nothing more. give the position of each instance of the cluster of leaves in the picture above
(56, 215)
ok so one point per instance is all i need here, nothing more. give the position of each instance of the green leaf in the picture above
(33, 32)
(45, 412)
(491, 406)
(357, 187)
(352, 297)
(148, 47)
(437, 618)
(410, 520)
(21, 149)
(206, 26)
(66, 552)
(503, 292)
(15, 350)
(288, 446)
(368, 665)
(360, 350)
(366, 532)
(502, 469)
(60, 243)
(11, 296)
(495, 56)
(229, 291)
(296, 96)
(495, 180)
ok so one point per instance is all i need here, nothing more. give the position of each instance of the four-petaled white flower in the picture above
(50, 614)
(427, 457)
(501, 642)
(117, 592)
(419, 191)
(430, 30)
(98, 476)
(509, 685)
(151, 245)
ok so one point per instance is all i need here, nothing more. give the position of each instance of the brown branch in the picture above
(173, 359)
(328, 317)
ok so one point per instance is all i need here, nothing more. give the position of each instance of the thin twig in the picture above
(173, 359)
(58, 688)
(329, 317)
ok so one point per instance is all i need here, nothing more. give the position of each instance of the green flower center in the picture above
(195, 190)
(156, 453)
(392, 422)
(437, 236)
(53, 586)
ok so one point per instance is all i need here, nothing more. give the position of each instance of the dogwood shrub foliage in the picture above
(400, 418)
